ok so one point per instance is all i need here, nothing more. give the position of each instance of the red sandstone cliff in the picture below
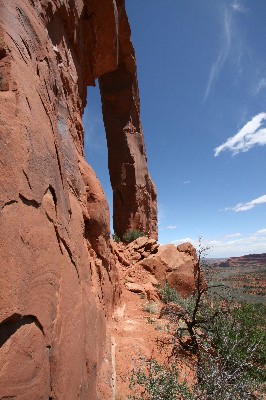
(58, 275)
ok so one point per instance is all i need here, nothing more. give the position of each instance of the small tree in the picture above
(225, 339)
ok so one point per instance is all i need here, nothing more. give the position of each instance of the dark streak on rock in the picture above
(26, 46)
(53, 194)
(12, 324)
(8, 203)
(29, 202)
(69, 254)
(63, 242)
(18, 47)
(26, 175)
(59, 164)
(47, 90)
(56, 149)
(28, 105)
(3, 53)
(52, 191)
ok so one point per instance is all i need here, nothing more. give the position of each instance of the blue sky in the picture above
(202, 80)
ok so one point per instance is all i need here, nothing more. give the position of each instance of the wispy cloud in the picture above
(161, 213)
(249, 205)
(222, 56)
(168, 227)
(186, 182)
(252, 134)
(233, 235)
(232, 45)
(261, 85)
(238, 7)
(92, 139)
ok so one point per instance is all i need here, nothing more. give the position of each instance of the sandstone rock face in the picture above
(58, 274)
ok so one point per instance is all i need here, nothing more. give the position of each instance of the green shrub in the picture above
(227, 341)
(161, 328)
(116, 238)
(168, 294)
(151, 307)
(132, 235)
(156, 381)
(240, 338)
(230, 362)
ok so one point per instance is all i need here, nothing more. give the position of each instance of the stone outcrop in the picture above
(148, 264)
(58, 274)
(174, 267)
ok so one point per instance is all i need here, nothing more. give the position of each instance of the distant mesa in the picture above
(250, 260)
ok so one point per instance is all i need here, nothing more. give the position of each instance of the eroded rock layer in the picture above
(58, 275)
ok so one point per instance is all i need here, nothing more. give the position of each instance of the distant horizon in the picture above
(222, 258)
(211, 252)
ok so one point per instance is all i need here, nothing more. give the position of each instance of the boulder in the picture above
(134, 287)
(188, 248)
(172, 266)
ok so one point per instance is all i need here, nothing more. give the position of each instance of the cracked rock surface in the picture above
(58, 275)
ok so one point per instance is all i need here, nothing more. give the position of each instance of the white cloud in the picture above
(236, 6)
(232, 235)
(184, 240)
(171, 227)
(222, 56)
(186, 182)
(250, 135)
(261, 232)
(249, 205)
(229, 248)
